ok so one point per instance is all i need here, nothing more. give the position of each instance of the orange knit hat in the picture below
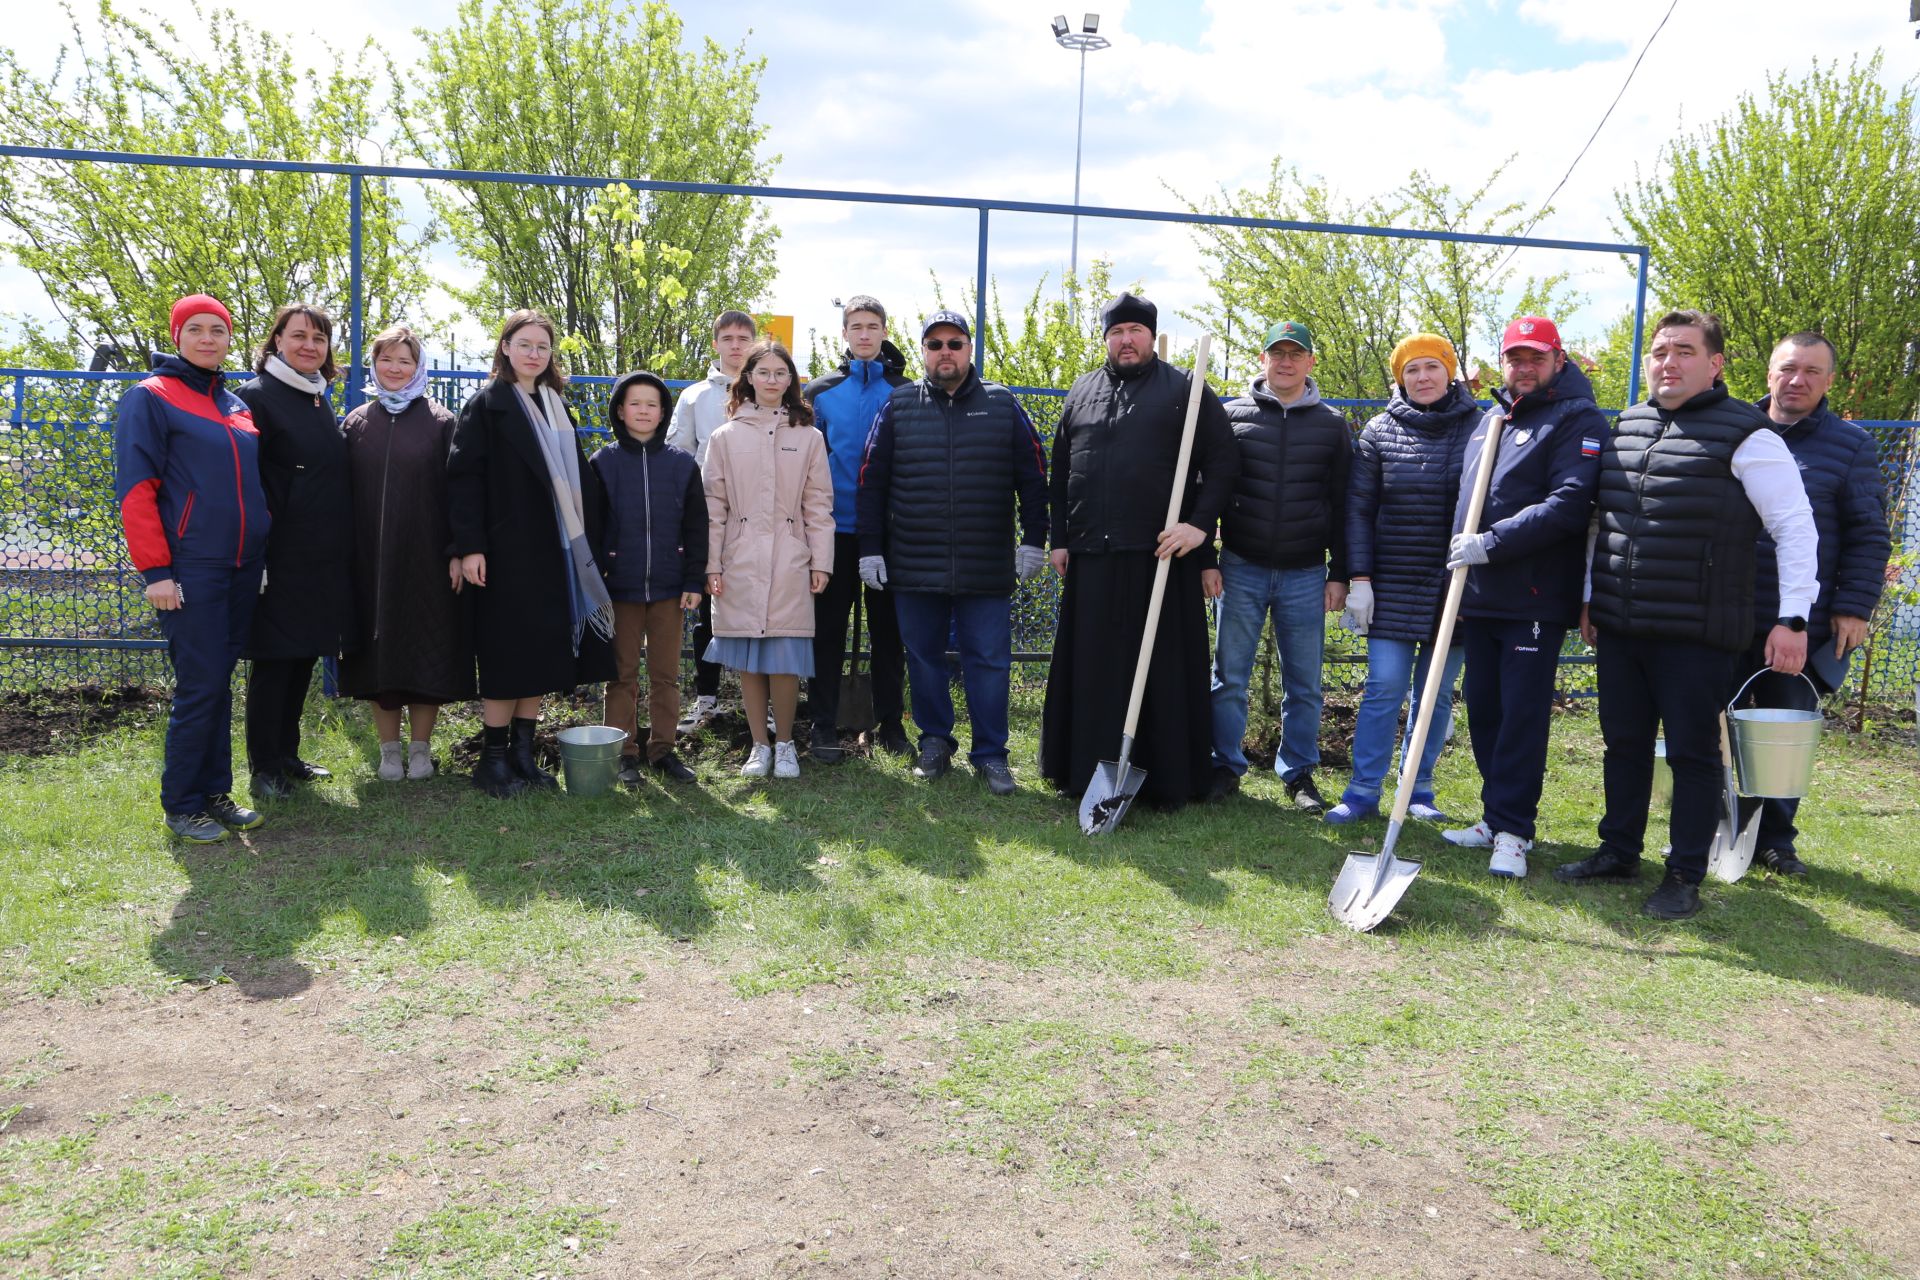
(1425, 345)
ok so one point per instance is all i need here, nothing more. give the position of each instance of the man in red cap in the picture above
(1526, 562)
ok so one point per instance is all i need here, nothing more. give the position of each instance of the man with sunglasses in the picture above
(1114, 454)
(952, 463)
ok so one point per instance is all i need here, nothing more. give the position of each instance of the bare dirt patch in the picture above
(54, 720)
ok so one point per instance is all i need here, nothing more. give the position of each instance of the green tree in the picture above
(1798, 210)
(114, 245)
(584, 87)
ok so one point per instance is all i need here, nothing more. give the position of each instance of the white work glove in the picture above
(1467, 549)
(873, 572)
(1028, 561)
(1359, 612)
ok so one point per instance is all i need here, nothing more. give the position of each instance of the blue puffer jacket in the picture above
(1400, 499)
(656, 525)
(1545, 475)
(845, 403)
(1841, 471)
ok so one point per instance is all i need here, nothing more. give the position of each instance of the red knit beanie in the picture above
(196, 304)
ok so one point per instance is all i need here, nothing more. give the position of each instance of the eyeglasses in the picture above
(772, 372)
(951, 344)
(529, 349)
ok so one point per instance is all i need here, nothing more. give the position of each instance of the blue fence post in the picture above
(357, 304)
(980, 299)
(1639, 330)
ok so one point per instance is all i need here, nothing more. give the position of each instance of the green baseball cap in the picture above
(1291, 331)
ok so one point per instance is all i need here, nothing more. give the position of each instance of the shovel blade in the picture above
(1369, 887)
(1732, 858)
(1110, 793)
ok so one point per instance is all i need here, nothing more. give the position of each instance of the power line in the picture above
(1605, 116)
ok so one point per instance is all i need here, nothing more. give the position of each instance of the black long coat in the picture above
(500, 505)
(307, 608)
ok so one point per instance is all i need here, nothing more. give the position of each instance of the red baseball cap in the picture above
(1536, 332)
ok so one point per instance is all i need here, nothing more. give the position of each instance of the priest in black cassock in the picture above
(1114, 454)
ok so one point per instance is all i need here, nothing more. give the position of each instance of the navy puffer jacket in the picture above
(655, 536)
(1400, 500)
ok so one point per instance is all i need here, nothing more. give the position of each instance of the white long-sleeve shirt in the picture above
(1770, 477)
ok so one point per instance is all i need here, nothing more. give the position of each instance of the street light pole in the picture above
(1084, 41)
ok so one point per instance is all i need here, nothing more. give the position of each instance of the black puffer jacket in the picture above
(1114, 454)
(1289, 506)
(306, 610)
(1400, 500)
(1839, 467)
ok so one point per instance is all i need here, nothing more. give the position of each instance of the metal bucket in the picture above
(1662, 776)
(1773, 747)
(590, 758)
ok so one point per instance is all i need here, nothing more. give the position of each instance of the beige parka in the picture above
(769, 522)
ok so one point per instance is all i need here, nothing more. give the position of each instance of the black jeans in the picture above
(276, 695)
(832, 609)
(706, 675)
(1510, 673)
(1681, 687)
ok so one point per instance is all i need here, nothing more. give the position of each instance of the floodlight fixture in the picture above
(1059, 25)
(1091, 24)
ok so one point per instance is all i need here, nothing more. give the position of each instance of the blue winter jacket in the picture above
(1545, 475)
(845, 403)
(1841, 471)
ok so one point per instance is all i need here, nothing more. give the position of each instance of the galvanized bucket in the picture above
(1773, 747)
(590, 758)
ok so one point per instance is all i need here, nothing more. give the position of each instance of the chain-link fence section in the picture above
(72, 609)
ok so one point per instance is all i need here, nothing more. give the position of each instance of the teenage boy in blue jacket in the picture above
(845, 403)
(1527, 567)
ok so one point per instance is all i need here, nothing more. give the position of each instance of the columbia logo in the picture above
(978, 413)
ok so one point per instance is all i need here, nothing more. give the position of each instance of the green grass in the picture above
(1571, 1044)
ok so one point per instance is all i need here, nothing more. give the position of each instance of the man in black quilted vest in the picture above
(952, 464)
(1841, 472)
(1687, 482)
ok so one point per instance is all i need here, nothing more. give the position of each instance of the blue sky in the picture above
(975, 99)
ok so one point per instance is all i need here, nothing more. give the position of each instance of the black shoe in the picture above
(674, 767)
(1604, 867)
(1305, 796)
(1675, 899)
(495, 776)
(234, 817)
(893, 739)
(1225, 783)
(200, 828)
(823, 744)
(629, 771)
(936, 757)
(997, 776)
(301, 771)
(271, 786)
(1781, 862)
(520, 756)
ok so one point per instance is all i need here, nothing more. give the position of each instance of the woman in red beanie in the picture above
(187, 474)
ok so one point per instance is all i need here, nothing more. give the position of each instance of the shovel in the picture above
(1116, 782)
(1731, 853)
(1371, 884)
(856, 687)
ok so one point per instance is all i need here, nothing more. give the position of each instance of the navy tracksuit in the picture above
(187, 472)
(1518, 606)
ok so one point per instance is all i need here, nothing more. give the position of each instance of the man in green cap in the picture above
(1283, 554)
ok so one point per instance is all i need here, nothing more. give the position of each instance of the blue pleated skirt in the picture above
(767, 656)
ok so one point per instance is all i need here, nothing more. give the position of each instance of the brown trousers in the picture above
(657, 625)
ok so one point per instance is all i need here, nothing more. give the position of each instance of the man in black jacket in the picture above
(1287, 515)
(1687, 481)
(1527, 564)
(1114, 455)
(949, 458)
(1842, 476)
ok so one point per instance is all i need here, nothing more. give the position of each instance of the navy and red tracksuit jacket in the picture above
(186, 461)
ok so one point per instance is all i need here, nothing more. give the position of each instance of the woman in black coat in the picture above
(306, 606)
(526, 512)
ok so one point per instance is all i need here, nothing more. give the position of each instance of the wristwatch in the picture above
(1791, 624)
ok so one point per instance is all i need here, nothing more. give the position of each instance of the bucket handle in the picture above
(1762, 671)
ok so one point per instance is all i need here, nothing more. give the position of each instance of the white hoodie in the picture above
(701, 409)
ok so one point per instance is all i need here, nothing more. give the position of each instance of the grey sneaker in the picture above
(1305, 796)
(419, 761)
(391, 770)
(231, 815)
(200, 828)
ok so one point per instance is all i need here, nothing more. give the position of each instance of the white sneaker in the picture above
(786, 760)
(390, 768)
(1477, 836)
(1509, 856)
(701, 714)
(759, 761)
(419, 761)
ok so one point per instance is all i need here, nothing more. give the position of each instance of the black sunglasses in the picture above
(951, 344)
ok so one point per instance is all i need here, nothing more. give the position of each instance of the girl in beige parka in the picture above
(770, 547)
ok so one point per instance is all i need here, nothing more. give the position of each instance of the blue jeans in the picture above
(1390, 669)
(1296, 600)
(982, 630)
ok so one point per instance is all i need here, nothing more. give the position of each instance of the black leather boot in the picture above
(493, 774)
(520, 756)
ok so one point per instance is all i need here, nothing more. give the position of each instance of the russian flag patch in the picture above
(1589, 448)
